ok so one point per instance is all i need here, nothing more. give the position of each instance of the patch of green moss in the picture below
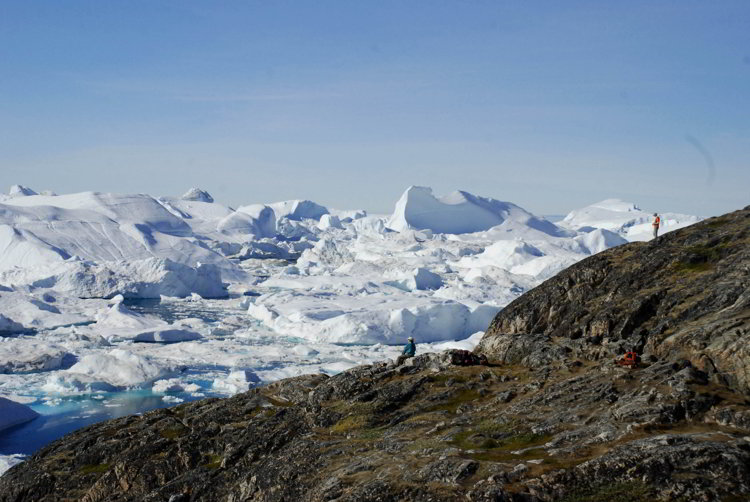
(94, 468)
(269, 412)
(214, 461)
(173, 433)
(701, 258)
(525, 440)
(629, 491)
(471, 439)
(451, 404)
(498, 441)
(370, 434)
(442, 378)
(349, 423)
(505, 455)
(426, 444)
(718, 222)
(685, 267)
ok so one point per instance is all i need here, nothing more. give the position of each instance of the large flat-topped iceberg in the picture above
(298, 210)
(148, 278)
(42, 231)
(138, 209)
(460, 213)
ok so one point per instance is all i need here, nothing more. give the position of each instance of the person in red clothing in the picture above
(656, 224)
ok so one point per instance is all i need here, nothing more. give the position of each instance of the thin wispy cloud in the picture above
(260, 97)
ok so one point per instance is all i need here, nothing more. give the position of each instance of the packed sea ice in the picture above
(183, 297)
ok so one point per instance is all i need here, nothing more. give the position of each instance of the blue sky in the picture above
(551, 105)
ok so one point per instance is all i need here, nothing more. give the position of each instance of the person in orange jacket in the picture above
(656, 224)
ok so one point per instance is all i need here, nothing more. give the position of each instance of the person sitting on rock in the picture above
(409, 350)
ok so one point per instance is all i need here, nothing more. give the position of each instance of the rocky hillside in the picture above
(687, 296)
(550, 418)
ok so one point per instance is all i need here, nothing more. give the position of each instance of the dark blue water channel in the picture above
(73, 412)
(56, 421)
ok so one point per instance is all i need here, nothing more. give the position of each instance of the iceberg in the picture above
(119, 322)
(21, 191)
(146, 278)
(116, 369)
(298, 210)
(196, 194)
(26, 354)
(459, 213)
(13, 413)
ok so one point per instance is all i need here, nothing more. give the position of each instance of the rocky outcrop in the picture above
(426, 430)
(544, 416)
(688, 295)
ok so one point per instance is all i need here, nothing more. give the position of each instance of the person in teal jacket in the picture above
(410, 348)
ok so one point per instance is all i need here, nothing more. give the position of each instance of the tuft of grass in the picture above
(94, 468)
(628, 491)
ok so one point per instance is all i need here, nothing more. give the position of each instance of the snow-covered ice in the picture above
(8, 461)
(625, 219)
(459, 213)
(107, 371)
(305, 288)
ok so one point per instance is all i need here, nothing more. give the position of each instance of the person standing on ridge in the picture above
(656, 224)
(409, 350)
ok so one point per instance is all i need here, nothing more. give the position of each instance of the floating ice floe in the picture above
(24, 311)
(235, 382)
(174, 385)
(419, 278)
(27, 354)
(13, 413)
(115, 369)
(119, 322)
